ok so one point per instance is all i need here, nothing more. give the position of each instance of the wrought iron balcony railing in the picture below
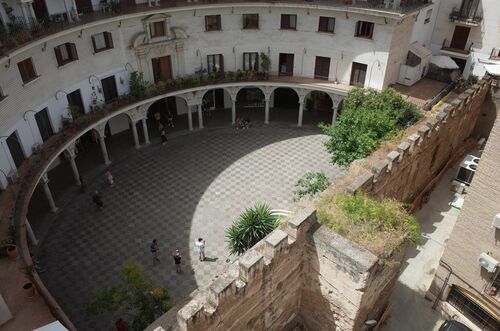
(467, 18)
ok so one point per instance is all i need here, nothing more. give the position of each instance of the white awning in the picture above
(493, 69)
(419, 50)
(54, 326)
(444, 62)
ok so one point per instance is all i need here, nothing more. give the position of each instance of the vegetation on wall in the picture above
(137, 84)
(135, 298)
(368, 118)
(379, 226)
(253, 225)
(310, 184)
(265, 62)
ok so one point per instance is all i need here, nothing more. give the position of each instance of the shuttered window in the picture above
(212, 23)
(102, 41)
(27, 70)
(251, 61)
(326, 24)
(364, 29)
(250, 21)
(157, 29)
(289, 21)
(215, 63)
(66, 53)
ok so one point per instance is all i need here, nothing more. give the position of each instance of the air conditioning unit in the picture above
(496, 221)
(467, 169)
(487, 262)
(12, 176)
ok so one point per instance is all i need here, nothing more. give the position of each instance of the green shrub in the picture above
(310, 184)
(368, 118)
(265, 62)
(134, 296)
(137, 84)
(252, 226)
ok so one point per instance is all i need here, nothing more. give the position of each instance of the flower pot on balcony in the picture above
(12, 252)
(29, 290)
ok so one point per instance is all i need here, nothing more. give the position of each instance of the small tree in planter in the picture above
(265, 63)
(137, 84)
(133, 296)
(253, 225)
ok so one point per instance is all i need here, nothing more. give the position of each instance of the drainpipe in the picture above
(445, 283)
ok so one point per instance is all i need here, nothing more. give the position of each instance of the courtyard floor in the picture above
(194, 186)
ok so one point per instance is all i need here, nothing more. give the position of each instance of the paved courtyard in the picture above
(193, 186)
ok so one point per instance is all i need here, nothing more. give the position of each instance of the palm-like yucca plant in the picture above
(253, 224)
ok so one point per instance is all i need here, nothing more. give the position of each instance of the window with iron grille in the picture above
(102, 41)
(250, 21)
(215, 63)
(212, 23)
(288, 22)
(364, 29)
(251, 61)
(66, 53)
(326, 24)
(27, 70)
(157, 29)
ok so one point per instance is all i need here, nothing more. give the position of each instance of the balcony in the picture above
(461, 17)
(21, 31)
(450, 47)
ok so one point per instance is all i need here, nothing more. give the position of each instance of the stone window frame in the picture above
(28, 74)
(108, 40)
(364, 29)
(153, 19)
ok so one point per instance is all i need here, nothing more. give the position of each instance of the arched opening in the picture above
(119, 136)
(317, 108)
(216, 106)
(250, 104)
(284, 106)
(171, 113)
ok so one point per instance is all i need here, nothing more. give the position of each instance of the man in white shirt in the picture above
(200, 248)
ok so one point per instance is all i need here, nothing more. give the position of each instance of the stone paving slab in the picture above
(193, 186)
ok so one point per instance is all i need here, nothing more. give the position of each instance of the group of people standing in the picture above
(161, 126)
(199, 246)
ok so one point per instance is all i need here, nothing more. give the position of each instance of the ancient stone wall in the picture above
(404, 172)
(300, 273)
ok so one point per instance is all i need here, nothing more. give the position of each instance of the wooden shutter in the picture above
(59, 58)
(221, 57)
(30, 69)
(284, 21)
(219, 25)
(93, 44)
(323, 24)
(156, 69)
(166, 67)
(22, 71)
(108, 37)
(72, 51)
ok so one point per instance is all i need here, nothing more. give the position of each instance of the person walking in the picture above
(97, 199)
(163, 136)
(170, 119)
(109, 177)
(177, 261)
(200, 248)
(154, 251)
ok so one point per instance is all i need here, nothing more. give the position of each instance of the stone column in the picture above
(104, 150)
(32, 12)
(31, 234)
(200, 116)
(335, 110)
(134, 133)
(145, 130)
(190, 118)
(48, 194)
(68, 11)
(71, 155)
(233, 111)
(301, 113)
(266, 118)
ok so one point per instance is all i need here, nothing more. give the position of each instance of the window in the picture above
(358, 74)
(364, 29)
(102, 41)
(322, 67)
(65, 53)
(162, 68)
(250, 21)
(212, 23)
(251, 61)
(109, 88)
(27, 70)
(289, 22)
(157, 29)
(428, 16)
(15, 149)
(75, 99)
(215, 63)
(44, 126)
(326, 24)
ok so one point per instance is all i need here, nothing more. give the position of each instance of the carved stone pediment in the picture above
(156, 18)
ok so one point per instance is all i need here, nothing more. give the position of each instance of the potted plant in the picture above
(265, 63)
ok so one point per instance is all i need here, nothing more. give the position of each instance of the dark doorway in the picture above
(162, 68)
(358, 74)
(15, 149)
(214, 99)
(109, 88)
(460, 36)
(40, 8)
(286, 64)
(44, 126)
(322, 68)
(75, 99)
(461, 63)
(286, 98)
(84, 6)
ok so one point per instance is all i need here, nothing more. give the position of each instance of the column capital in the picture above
(44, 179)
(100, 130)
(70, 152)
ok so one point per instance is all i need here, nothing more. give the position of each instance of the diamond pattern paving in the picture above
(193, 186)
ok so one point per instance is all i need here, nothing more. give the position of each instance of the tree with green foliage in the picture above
(137, 84)
(311, 184)
(134, 297)
(253, 225)
(368, 118)
(265, 62)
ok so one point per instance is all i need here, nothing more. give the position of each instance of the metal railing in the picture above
(447, 46)
(457, 15)
(22, 31)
